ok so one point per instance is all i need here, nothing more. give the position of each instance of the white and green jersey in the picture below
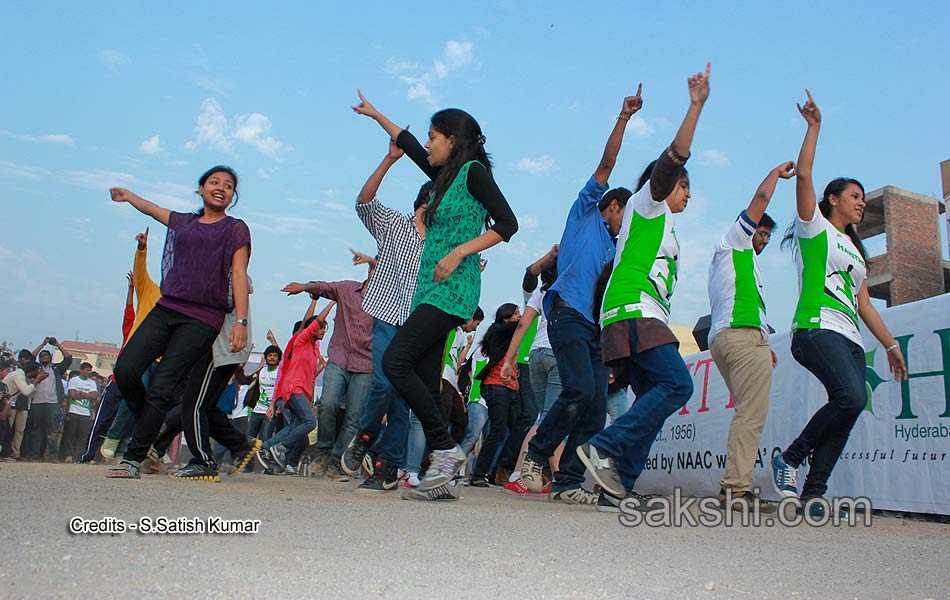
(267, 379)
(830, 273)
(479, 362)
(81, 406)
(645, 270)
(735, 284)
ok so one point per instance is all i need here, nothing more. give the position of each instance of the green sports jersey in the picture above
(735, 284)
(646, 268)
(830, 274)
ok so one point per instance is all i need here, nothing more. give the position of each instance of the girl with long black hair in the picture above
(833, 293)
(500, 394)
(466, 215)
(206, 256)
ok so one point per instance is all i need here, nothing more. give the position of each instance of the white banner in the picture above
(898, 454)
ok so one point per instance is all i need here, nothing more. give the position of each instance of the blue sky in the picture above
(148, 96)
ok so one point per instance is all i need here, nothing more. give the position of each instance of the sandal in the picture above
(125, 470)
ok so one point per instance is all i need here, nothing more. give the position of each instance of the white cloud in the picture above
(529, 222)
(254, 129)
(49, 138)
(221, 87)
(714, 158)
(457, 55)
(639, 128)
(99, 179)
(276, 223)
(23, 171)
(212, 128)
(113, 58)
(537, 166)
(334, 206)
(152, 145)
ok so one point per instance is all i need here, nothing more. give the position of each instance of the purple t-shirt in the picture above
(196, 265)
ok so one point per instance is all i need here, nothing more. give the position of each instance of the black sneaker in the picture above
(245, 456)
(264, 459)
(196, 471)
(384, 478)
(335, 474)
(479, 482)
(352, 458)
(610, 503)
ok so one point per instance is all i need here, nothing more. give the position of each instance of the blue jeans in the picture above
(662, 383)
(618, 403)
(384, 401)
(545, 379)
(840, 366)
(299, 422)
(477, 422)
(581, 409)
(504, 414)
(336, 384)
(417, 445)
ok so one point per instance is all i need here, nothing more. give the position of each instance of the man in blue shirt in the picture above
(587, 245)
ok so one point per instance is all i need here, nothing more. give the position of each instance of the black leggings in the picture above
(181, 341)
(198, 415)
(413, 364)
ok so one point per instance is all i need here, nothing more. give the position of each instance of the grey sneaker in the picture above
(603, 468)
(784, 477)
(448, 492)
(444, 465)
(278, 455)
(576, 495)
(531, 475)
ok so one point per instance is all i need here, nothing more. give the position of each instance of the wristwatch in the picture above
(242, 322)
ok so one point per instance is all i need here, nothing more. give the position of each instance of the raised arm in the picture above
(631, 104)
(141, 204)
(366, 109)
(669, 166)
(311, 310)
(371, 187)
(360, 258)
(805, 199)
(763, 195)
(36, 351)
(144, 286)
(526, 320)
(326, 311)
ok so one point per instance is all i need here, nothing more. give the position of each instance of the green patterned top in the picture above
(458, 219)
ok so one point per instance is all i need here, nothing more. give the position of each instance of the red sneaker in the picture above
(546, 489)
(516, 488)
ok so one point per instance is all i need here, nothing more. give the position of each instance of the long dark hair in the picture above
(219, 169)
(504, 312)
(648, 173)
(835, 187)
(469, 145)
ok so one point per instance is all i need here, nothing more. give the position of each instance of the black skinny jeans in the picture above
(181, 341)
(840, 366)
(413, 364)
(504, 416)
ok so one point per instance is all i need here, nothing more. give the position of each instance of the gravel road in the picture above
(319, 539)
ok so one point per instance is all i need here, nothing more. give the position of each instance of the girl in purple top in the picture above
(206, 254)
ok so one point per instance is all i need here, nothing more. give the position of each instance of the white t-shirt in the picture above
(267, 379)
(541, 336)
(646, 269)
(457, 341)
(830, 274)
(239, 409)
(81, 406)
(735, 283)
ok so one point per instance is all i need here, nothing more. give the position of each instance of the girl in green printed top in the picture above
(833, 293)
(466, 214)
(635, 311)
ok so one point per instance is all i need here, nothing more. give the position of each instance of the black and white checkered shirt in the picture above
(388, 296)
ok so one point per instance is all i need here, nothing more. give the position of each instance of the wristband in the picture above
(623, 118)
(890, 349)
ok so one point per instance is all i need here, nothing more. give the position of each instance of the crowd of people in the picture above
(411, 401)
